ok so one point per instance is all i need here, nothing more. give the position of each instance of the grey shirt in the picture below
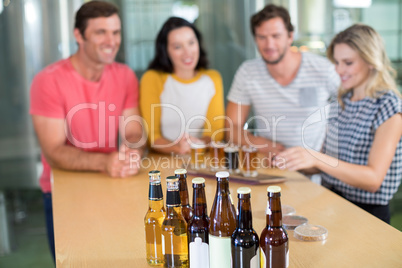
(294, 115)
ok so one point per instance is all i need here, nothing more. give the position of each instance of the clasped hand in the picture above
(124, 163)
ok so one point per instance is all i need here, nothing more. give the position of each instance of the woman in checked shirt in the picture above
(361, 158)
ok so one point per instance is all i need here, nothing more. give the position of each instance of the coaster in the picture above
(290, 222)
(308, 232)
(288, 210)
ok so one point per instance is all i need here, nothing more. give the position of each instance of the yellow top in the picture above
(274, 189)
(198, 180)
(166, 100)
(243, 190)
(180, 171)
(222, 174)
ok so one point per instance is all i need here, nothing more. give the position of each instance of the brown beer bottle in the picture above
(274, 242)
(181, 174)
(198, 248)
(174, 228)
(222, 224)
(153, 219)
(245, 252)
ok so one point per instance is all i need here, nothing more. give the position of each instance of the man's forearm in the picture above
(72, 158)
(264, 145)
(166, 146)
(135, 141)
(235, 135)
(240, 137)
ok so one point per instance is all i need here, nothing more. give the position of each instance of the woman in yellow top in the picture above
(180, 99)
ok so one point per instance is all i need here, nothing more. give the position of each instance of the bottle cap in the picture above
(243, 190)
(180, 171)
(274, 189)
(154, 172)
(172, 179)
(198, 180)
(222, 174)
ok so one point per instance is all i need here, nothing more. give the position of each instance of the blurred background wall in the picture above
(35, 33)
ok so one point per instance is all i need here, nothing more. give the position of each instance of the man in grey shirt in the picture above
(286, 89)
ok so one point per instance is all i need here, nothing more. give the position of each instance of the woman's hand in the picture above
(184, 146)
(185, 143)
(296, 158)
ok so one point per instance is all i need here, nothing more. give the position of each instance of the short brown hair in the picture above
(91, 10)
(269, 12)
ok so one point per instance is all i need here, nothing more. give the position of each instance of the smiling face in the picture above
(101, 40)
(273, 40)
(352, 69)
(183, 50)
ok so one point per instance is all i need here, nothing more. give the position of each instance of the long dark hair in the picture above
(161, 61)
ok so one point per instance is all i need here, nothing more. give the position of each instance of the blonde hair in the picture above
(370, 46)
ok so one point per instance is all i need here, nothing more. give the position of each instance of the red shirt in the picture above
(91, 109)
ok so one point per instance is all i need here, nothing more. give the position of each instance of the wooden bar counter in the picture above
(99, 221)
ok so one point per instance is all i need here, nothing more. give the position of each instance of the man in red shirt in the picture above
(80, 104)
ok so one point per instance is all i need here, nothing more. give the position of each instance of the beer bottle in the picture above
(185, 206)
(198, 227)
(153, 219)
(222, 224)
(245, 252)
(174, 228)
(274, 243)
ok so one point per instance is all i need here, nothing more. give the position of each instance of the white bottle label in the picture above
(199, 254)
(255, 261)
(268, 210)
(220, 252)
(163, 244)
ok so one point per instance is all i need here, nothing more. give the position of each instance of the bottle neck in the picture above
(244, 218)
(274, 210)
(155, 205)
(199, 201)
(172, 199)
(222, 187)
(223, 194)
(155, 192)
(174, 212)
(183, 190)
